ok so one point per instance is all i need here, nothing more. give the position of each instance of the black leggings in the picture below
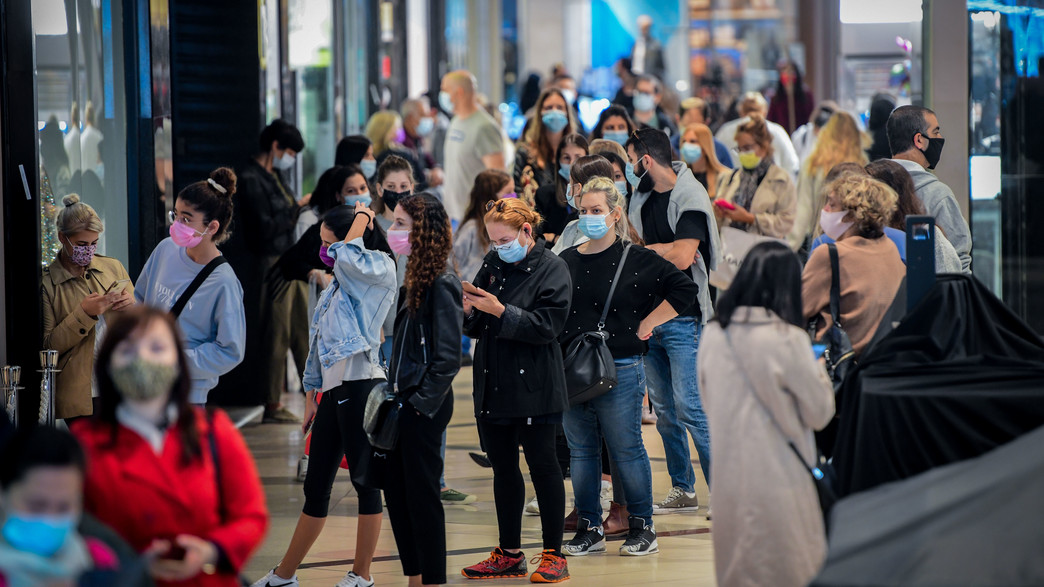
(337, 431)
(509, 489)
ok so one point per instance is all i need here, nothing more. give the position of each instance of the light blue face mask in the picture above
(644, 102)
(569, 195)
(593, 226)
(554, 120)
(40, 535)
(368, 167)
(617, 136)
(363, 197)
(621, 186)
(513, 252)
(445, 102)
(691, 153)
(633, 179)
(425, 126)
(563, 170)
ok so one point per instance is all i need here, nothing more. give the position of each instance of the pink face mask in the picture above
(833, 223)
(399, 241)
(184, 235)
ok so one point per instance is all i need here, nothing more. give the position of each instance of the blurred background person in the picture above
(385, 131)
(71, 141)
(804, 138)
(782, 149)
(473, 142)
(357, 150)
(617, 157)
(694, 110)
(647, 53)
(90, 141)
(697, 150)
(614, 124)
(647, 113)
(625, 95)
(553, 119)
(552, 201)
(470, 241)
(881, 107)
(761, 193)
(418, 125)
(792, 103)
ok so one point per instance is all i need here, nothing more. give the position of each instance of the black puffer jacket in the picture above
(518, 363)
(426, 352)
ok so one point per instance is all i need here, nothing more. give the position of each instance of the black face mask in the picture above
(934, 150)
(646, 183)
(391, 199)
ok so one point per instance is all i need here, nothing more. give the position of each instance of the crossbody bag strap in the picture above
(835, 285)
(202, 276)
(212, 441)
(612, 289)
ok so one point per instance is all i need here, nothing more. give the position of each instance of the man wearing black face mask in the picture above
(915, 138)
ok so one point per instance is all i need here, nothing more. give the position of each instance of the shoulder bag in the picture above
(202, 276)
(840, 358)
(381, 414)
(589, 367)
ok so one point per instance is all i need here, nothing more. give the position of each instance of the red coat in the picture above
(144, 496)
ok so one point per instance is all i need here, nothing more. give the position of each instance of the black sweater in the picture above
(647, 280)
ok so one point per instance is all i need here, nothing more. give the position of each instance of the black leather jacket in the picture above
(426, 352)
(518, 362)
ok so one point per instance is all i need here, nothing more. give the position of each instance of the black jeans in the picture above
(509, 489)
(411, 489)
(337, 431)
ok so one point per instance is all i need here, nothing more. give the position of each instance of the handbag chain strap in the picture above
(612, 289)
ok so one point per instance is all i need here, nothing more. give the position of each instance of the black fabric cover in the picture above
(960, 376)
(977, 522)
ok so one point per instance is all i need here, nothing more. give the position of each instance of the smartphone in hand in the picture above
(470, 288)
(724, 204)
(117, 286)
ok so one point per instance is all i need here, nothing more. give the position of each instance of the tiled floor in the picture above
(685, 557)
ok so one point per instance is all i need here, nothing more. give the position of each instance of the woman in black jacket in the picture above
(516, 309)
(425, 358)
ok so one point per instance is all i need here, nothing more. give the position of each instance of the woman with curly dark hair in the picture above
(425, 358)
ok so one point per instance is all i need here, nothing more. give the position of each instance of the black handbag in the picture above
(840, 358)
(381, 414)
(589, 367)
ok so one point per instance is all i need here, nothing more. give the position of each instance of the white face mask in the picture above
(833, 223)
(283, 162)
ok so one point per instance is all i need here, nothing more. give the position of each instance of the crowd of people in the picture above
(411, 259)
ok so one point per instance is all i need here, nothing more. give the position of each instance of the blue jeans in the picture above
(616, 416)
(675, 396)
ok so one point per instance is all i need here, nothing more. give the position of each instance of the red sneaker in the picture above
(499, 565)
(552, 568)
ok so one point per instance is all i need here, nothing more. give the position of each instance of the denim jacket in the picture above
(351, 311)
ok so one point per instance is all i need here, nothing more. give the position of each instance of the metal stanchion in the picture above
(49, 367)
(9, 379)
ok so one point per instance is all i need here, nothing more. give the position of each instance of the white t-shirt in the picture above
(468, 140)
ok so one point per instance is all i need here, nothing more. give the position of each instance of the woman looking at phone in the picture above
(79, 288)
(343, 366)
(212, 318)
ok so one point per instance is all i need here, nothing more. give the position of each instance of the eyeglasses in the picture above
(172, 216)
(500, 205)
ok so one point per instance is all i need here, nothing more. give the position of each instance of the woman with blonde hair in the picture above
(384, 130)
(758, 197)
(535, 160)
(79, 288)
(697, 151)
(840, 141)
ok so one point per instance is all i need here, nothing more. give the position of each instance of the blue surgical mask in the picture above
(40, 535)
(569, 195)
(644, 102)
(368, 167)
(513, 252)
(633, 179)
(621, 186)
(425, 126)
(593, 226)
(563, 170)
(617, 136)
(554, 120)
(363, 197)
(445, 102)
(691, 153)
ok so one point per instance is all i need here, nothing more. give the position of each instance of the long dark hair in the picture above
(214, 203)
(340, 219)
(770, 277)
(431, 241)
(484, 190)
(898, 178)
(351, 149)
(614, 110)
(125, 325)
(578, 140)
(324, 196)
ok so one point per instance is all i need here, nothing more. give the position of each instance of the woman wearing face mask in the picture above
(41, 502)
(651, 291)
(516, 309)
(176, 482)
(357, 149)
(470, 241)
(697, 150)
(385, 130)
(535, 159)
(552, 200)
(343, 365)
(856, 212)
(394, 182)
(582, 171)
(617, 157)
(212, 319)
(758, 197)
(614, 124)
(79, 287)
(424, 360)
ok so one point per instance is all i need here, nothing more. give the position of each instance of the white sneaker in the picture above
(271, 580)
(607, 491)
(353, 580)
(532, 508)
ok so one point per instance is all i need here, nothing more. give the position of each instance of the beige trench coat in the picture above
(774, 204)
(768, 526)
(71, 332)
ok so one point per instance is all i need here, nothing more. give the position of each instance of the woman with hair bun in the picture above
(516, 309)
(211, 316)
(79, 287)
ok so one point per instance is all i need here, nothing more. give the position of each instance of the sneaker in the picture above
(641, 539)
(280, 415)
(678, 500)
(454, 497)
(533, 508)
(606, 494)
(353, 580)
(552, 568)
(271, 580)
(499, 565)
(481, 460)
(586, 541)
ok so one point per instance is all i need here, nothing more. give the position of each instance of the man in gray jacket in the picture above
(916, 142)
(671, 212)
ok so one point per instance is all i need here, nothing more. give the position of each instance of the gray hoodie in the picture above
(688, 195)
(939, 201)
